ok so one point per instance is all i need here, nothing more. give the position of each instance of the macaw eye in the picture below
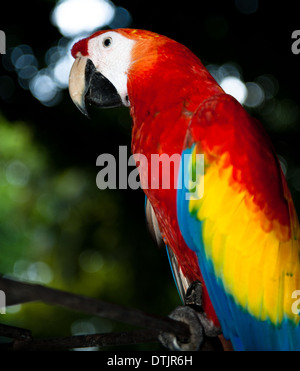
(107, 42)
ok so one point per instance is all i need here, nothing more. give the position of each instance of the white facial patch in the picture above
(111, 55)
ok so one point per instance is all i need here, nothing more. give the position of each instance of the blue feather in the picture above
(244, 330)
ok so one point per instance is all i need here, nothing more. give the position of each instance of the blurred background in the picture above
(56, 227)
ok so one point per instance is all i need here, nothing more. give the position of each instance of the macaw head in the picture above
(99, 75)
(109, 63)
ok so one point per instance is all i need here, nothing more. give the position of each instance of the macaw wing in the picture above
(239, 218)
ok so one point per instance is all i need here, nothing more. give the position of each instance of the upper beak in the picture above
(77, 84)
(89, 86)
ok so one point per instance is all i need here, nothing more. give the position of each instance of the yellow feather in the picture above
(258, 266)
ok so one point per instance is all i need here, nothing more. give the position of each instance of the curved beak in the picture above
(88, 86)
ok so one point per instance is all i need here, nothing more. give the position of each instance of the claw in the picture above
(190, 317)
(193, 315)
(193, 298)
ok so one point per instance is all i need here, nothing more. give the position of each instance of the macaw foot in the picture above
(189, 316)
(193, 298)
(193, 315)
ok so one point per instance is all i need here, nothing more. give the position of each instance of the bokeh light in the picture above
(235, 87)
(24, 62)
(74, 17)
(90, 261)
(269, 84)
(255, 94)
(246, 6)
(259, 95)
(229, 76)
(44, 88)
(39, 271)
(17, 173)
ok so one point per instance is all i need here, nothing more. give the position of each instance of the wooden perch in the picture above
(24, 341)
(19, 292)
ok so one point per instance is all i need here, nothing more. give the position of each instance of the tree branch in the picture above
(20, 292)
(84, 341)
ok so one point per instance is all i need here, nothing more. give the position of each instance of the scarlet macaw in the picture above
(239, 240)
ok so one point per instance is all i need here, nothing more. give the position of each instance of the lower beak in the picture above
(89, 86)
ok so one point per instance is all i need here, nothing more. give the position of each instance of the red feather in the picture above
(165, 85)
